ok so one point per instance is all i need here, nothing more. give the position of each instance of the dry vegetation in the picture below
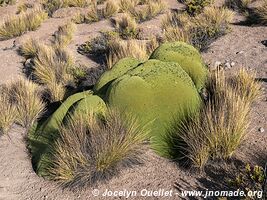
(260, 13)
(126, 26)
(53, 65)
(53, 5)
(119, 49)
(222, 123)
(91, 150)
(26, 96)
(148, 11)
(7, 2)
(24, 7)
(8, 112)
(64, 35)
(17, 25)
(95, 14)
(199, 30)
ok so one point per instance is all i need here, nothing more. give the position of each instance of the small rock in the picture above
(227, 65)
(240, 52)
(261, 129)
(232, 64)
(264, 42)
(218, 64)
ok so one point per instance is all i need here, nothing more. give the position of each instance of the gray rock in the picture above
(261, 129)
(217, 64)
(240, 52)
(227, 65)
(232, 64)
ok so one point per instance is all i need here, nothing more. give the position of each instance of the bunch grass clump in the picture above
(7, 2)
(119, 49)
(221, 124)
(95, 14)
(64, 35)
(128, 5)
(53, 5)
(115, 48)
(52, 65)
(52, 68)
(90, 149)
(8, 111)
(24, 7)
(147, 11)
(110, 8)
(99, 45)
(30, 48)
(14, 26)
(199, 30)
(194, 7)
(26, 96)
(260, 14)
(238, 5)
(126, 26)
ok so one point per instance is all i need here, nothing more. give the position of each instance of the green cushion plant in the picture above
(119, 69)
(155, 92)
(44, 134)
(188, 58)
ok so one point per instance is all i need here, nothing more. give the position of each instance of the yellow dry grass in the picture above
(221, 124)
(17, 25)
(114, 142)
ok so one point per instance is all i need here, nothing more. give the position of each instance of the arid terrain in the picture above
(243, 46)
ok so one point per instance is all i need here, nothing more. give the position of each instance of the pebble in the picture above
(217, 64)
(227, 65)
(261, 129)
(240, 52)
(232, 64)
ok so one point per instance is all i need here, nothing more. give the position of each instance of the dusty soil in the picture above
(243, 46)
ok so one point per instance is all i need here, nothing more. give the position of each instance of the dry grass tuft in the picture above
(14, 26)
(200, 30)
(7, 2)
(128, 5)
(119, 49)
(53, 5)
(260, 13)
(96, 14)
(147, 11)
(24, 7)
(111, 7)
(8, 111)
(52, 65)
(238, 5)
(92, 15)
(30, 48)
(77, 3)
(90, 150)
(151, 10)
(126, 26)
(26, 96)
(64, 35)
(222, 123)
(194, 7)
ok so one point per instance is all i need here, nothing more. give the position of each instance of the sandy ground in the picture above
(243, 46)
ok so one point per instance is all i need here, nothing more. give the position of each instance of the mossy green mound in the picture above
(187, 56)
(119, 69)
(155, 92)
(43, 135)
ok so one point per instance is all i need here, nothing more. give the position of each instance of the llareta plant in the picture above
(253, 178)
